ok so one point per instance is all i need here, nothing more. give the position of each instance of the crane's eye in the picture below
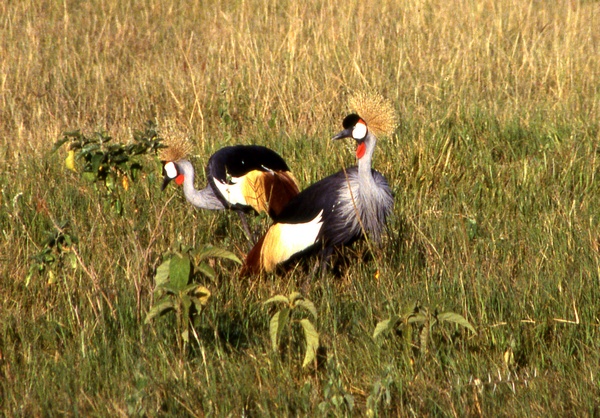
(359, 131)
(171, 170)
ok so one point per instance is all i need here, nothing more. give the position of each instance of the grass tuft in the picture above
(493, 164)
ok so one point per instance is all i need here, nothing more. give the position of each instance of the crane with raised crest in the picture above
(338, 209)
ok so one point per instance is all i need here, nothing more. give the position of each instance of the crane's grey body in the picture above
(335, 211)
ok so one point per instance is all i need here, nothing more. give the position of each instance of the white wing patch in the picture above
(284, 240)
(232, 192)
(299, 237)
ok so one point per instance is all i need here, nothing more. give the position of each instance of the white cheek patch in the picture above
(359, 131)
(233, 192)
(171, 170)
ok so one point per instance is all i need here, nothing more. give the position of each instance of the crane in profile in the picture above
(243, 178)
(338, 209)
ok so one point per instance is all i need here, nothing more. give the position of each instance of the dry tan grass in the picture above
(496, 198)
(102, 63)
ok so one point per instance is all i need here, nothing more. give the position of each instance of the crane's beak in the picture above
(346, 133)
(166, 181)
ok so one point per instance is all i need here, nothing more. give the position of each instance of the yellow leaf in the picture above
(70, 161)
(509, 357)
(203, 294)
(125, 181)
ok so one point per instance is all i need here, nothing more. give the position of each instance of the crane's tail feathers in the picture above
(280, 244)
(271, 250)
(253, 264)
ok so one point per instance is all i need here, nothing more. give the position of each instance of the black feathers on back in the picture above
(238, 160)
(324, 195)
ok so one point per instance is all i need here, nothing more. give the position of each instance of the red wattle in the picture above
(179, 179)
(360, 150)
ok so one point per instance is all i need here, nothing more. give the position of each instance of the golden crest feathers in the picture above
(376, 111)
(178, 145)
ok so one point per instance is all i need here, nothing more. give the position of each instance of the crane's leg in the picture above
(323, 261)
(249, 234)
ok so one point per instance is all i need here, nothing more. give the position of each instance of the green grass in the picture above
(494, 167)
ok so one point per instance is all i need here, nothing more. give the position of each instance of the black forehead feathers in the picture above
(351, 120)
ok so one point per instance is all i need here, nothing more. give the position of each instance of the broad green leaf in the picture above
(417, 318)
(312, 341)
(170, 288)
(71, 260)
(295, 296)
(159, 308)
(179, 271)
(87, 149)
(31, 272)
(337, 400)
(457, 319)
(59, 143)
(67, 242)
(276, 326)
(424, 340)
(214, 252)
(88, 176)
(118, 206)
(349, 401)
(97, 160)
(277, 298)
(162, 273)
(110, 182)
(134, 170)
(186, 304)
(188, 288)
(197, 304)
(207, 270)
(386, 325)
(308, 305)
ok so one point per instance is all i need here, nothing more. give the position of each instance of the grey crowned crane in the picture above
(338, 209)
(241, 177)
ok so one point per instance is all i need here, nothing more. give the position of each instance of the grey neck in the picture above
(203, 199)
(373, 199)
(364, 164)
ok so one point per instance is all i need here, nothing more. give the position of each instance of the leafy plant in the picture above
(381, 392)
(336, 398)
(417, 316)
(113, 165)
(55, 253)
(281, 321)
(176, 290)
